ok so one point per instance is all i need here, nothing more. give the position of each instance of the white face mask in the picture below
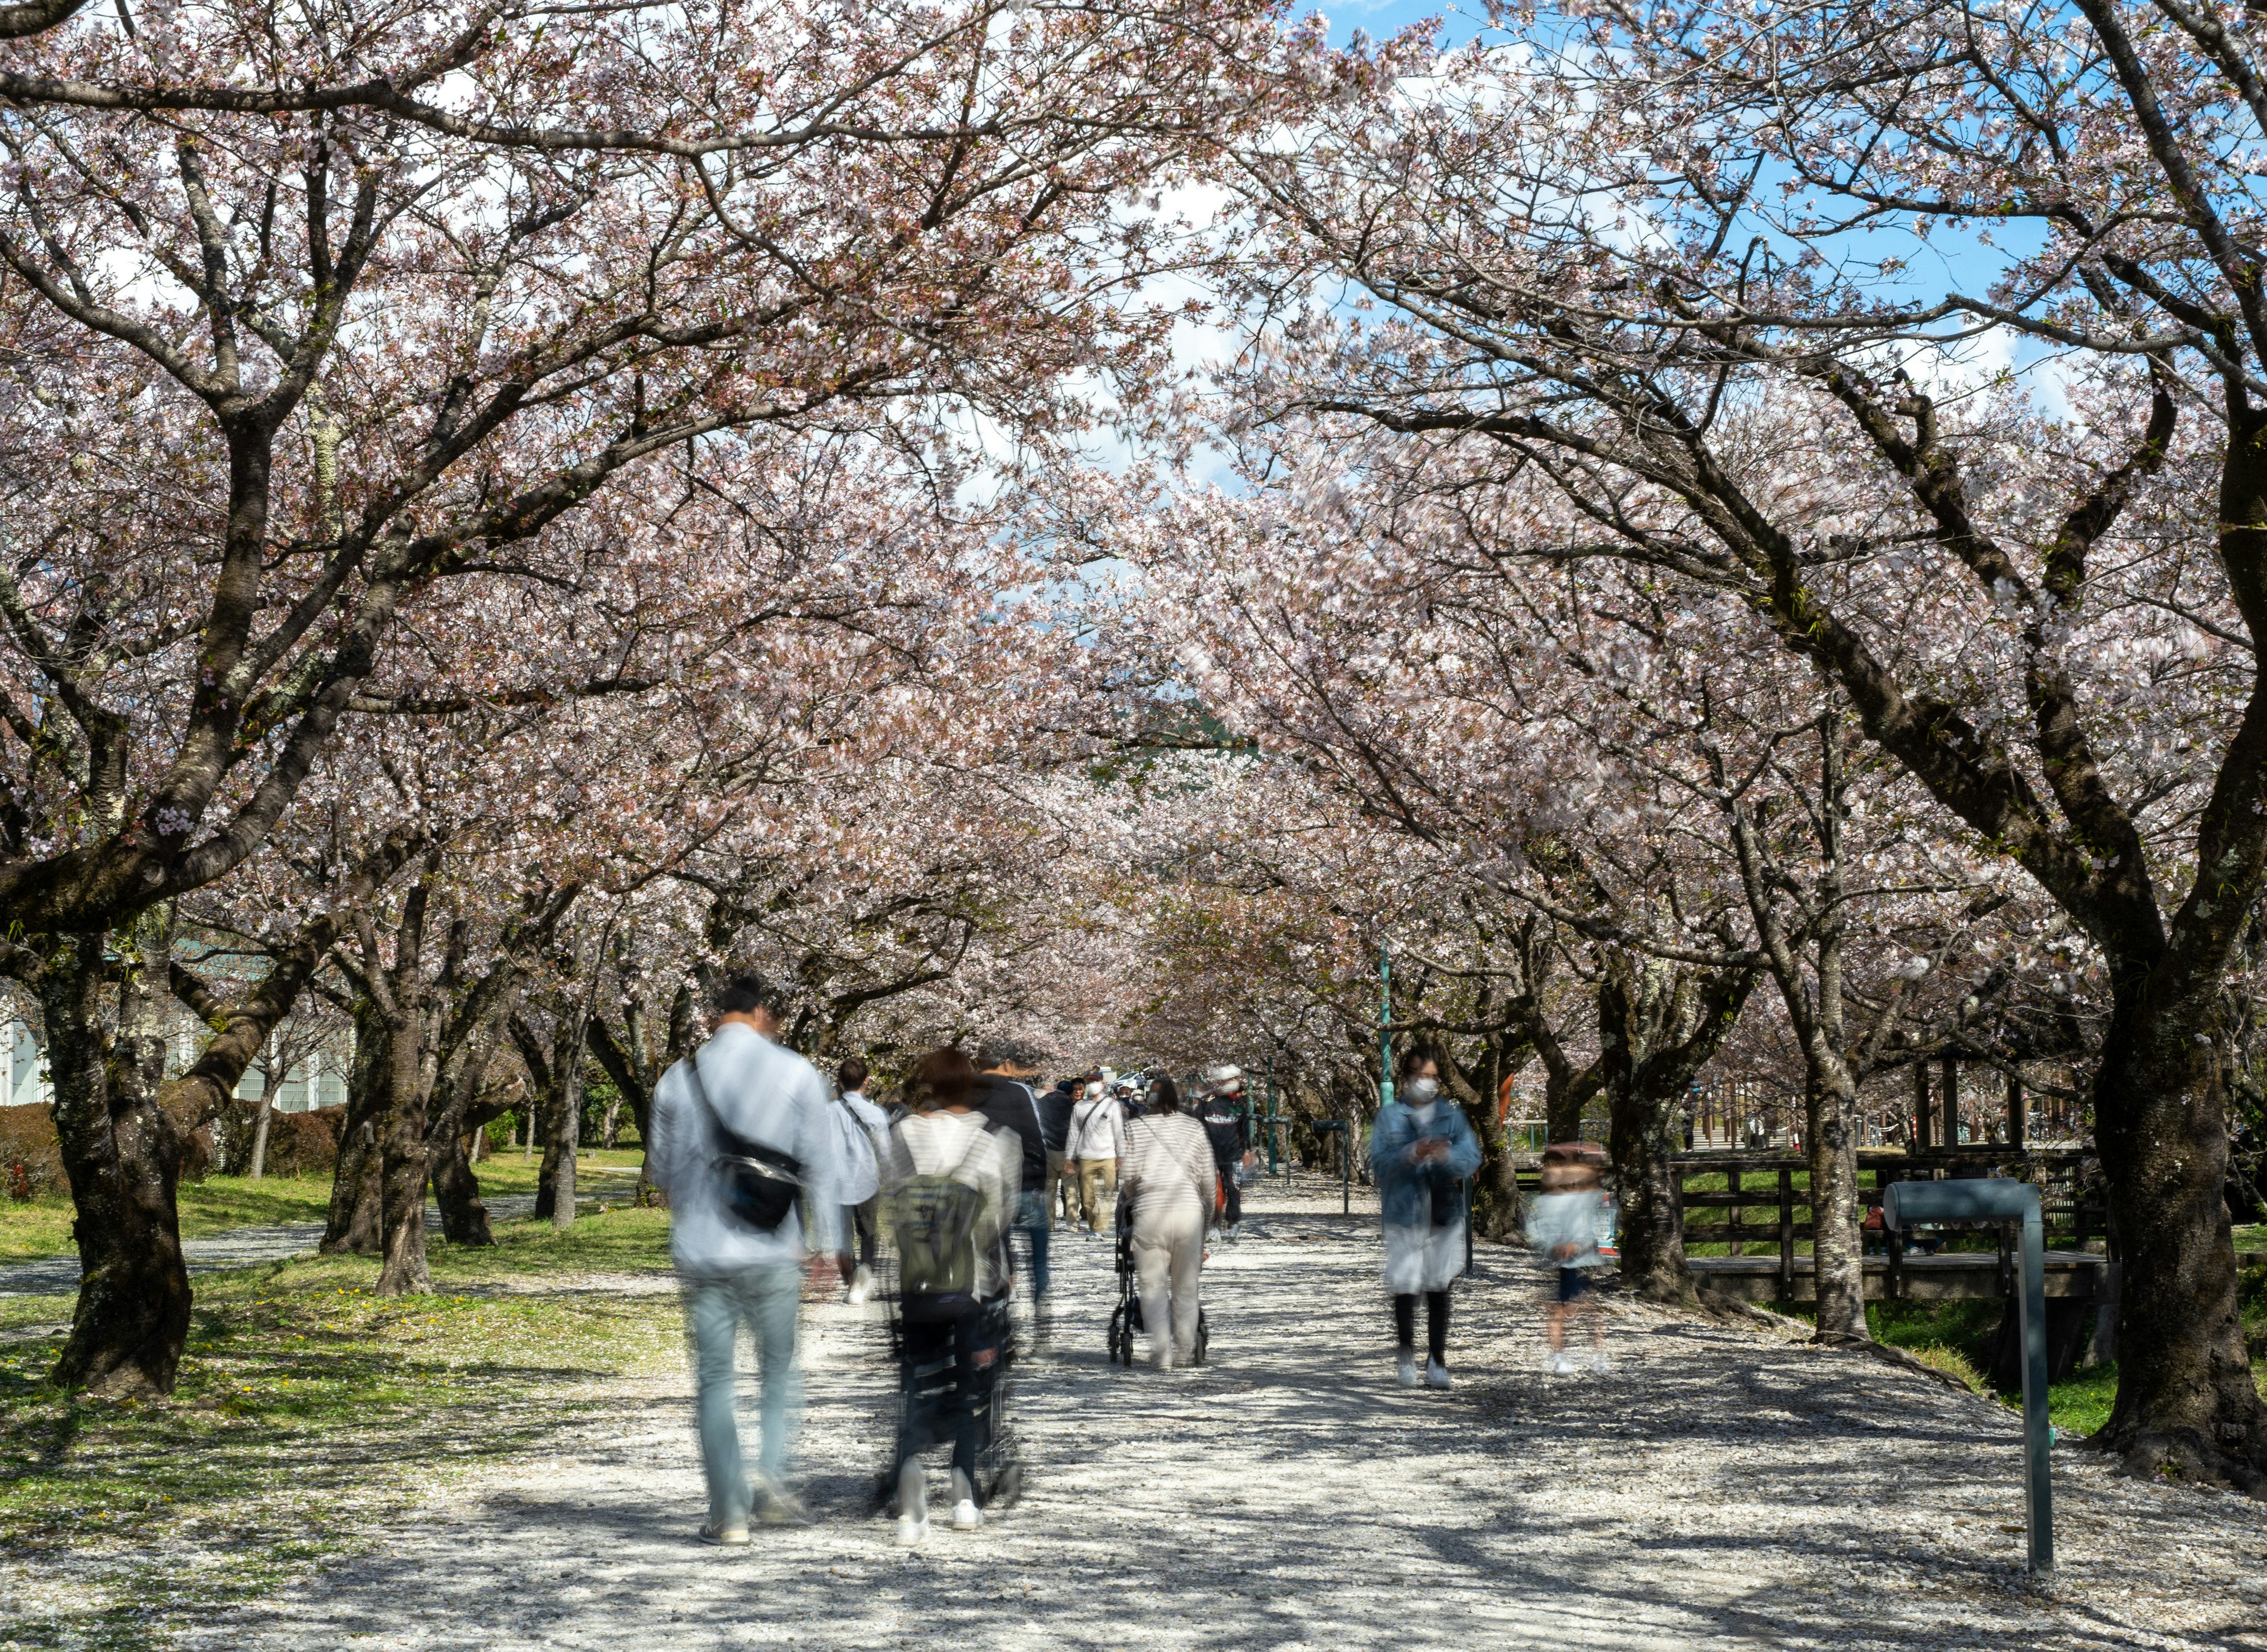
(1418, 1091)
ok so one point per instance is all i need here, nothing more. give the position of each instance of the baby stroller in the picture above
(999, 1470)
(1125, 1317)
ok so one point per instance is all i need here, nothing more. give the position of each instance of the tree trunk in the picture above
(406, 1165)
(1836, 1246)
(626, 1062)
(569, 1060)
(1644, 1140)
(259, 1131)
(455, 1108)
(1562, 1109)
(1657, 1027)
(356, 1189)
(464, 1218)
(407, 1162)
(122, 1155)
(2185, 1393)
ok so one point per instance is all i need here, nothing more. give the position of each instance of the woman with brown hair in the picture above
(949, 1185)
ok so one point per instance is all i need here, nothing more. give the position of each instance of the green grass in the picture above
(508, 1172)
(37, 1228)
(42, 1227)
(307, 1409)
(1957, 1338)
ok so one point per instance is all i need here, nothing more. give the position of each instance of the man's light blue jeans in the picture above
(715, 1306)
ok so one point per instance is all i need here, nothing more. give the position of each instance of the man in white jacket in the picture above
(749, 1087)
(1098, 1148)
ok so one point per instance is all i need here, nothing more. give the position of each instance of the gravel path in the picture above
(1722, 1487)
(244, 1246)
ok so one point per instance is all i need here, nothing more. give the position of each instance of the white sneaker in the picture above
(1407, 1370)
(1599, 1363)
(1561, 1366)
(913, 1505)
(1436, 1374)
(967, 1516)
(862, 1285)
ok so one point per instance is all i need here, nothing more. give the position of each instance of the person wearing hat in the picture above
(1421, 1153)
(1563, 1225)
(1097, 1146)
(1227, 1128)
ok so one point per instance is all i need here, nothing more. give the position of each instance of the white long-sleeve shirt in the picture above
(771, 1096)
(862, 1179)
(1168, 1169)
(1097, 1128)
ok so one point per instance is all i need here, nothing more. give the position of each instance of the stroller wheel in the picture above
(1204, 1338)
(1006, 1486)
(1121, 1337)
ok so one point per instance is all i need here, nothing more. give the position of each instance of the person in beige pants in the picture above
(1095, 1148)
(1169, 1184)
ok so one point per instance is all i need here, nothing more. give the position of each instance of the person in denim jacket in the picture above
(1421, 1153)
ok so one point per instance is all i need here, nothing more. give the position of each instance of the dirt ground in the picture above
(1722, 1486)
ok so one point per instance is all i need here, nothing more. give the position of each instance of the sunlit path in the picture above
(1720, 1488)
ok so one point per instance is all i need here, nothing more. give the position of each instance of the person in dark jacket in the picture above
(1054, 1130)
(1226, 1121)
(1007, 1103)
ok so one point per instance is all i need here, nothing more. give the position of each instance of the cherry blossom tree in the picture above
(1662, 259)
(324, 317)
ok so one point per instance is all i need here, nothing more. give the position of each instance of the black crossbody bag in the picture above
(761, 1184)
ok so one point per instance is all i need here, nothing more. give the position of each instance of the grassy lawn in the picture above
(307, 1410)
(42, 1227)
(1957, 1338)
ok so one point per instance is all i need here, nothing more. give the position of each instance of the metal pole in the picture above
(1346, 1167)
(2038, 1436)
(1273, 1158)
(1995, 1199)
(1384, 1029)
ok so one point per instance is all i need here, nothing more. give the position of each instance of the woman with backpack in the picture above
(1169, 1186)
(1422, 1154)
(948, 1187)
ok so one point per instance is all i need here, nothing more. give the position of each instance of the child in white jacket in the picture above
(1563, 1225)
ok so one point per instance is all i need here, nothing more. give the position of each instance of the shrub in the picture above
(31, 1157)
(1952, 1363)
(304, 1143)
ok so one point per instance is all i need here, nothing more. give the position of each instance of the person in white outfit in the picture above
(1096, 1150)
(1563, 1225)
(865, 1131)
(1170, 1186)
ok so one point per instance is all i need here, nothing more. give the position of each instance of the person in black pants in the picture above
(1008, 1104)
(1227, 1124)
(1055, 1132)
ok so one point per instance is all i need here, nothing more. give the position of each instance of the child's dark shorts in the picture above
(1573, 1284)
